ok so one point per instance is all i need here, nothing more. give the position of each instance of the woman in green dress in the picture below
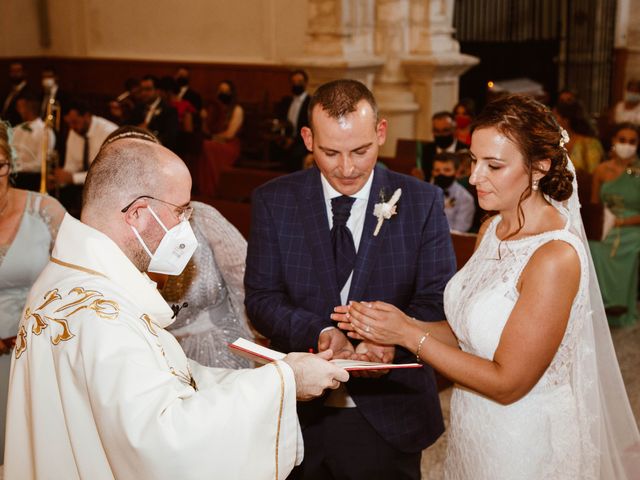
(616, 183)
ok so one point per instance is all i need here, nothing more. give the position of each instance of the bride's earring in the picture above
(534, 186)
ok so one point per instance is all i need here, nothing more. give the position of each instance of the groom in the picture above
(312, 247)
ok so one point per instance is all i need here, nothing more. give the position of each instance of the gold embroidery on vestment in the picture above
(21, 342)
(279, 415)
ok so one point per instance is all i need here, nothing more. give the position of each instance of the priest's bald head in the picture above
(130, 180)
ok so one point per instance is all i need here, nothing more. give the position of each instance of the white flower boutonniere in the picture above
(385, 210)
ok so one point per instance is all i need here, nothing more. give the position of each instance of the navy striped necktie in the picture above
(344, 250)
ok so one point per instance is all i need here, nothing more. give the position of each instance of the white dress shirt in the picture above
(99, 130)
(355, 223)
(28, 140)
(294, 111)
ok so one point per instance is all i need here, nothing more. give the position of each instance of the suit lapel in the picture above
(370, 245)
(317, 235)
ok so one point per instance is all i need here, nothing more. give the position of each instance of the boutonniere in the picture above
(385, 210)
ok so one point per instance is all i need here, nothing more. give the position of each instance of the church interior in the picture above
(246, 62)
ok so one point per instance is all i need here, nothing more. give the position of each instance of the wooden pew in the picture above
(463, 245)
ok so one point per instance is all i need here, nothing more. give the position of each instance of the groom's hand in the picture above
(334, 339)
(372, 352)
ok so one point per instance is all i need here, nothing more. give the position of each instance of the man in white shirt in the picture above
(628, 110)
(100, 390)
(87, 132)
(28, 140)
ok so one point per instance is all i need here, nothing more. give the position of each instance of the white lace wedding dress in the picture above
(535, 437)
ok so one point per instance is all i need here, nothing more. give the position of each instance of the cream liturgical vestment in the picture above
(99, 389)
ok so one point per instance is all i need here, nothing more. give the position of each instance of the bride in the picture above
(538, 390)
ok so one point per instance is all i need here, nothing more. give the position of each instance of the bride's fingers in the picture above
(339, 317)
(345, 326)
(363, 308)
(355, 336)
(341, 309)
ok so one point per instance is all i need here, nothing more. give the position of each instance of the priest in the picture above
(100, 390)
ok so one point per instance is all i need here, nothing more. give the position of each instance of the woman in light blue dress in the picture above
(28, 226)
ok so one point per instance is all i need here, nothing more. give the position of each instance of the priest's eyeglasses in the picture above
(182, 212)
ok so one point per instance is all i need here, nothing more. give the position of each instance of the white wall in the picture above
(19, 29)
(256, 31)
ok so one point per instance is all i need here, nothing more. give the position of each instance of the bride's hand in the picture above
(378, 322)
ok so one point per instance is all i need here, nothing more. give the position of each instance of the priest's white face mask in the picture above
(175, 249)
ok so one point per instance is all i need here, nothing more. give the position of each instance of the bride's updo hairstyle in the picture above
(533, 128)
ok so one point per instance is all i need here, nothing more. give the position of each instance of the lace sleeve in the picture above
(230, 251)
(52, 213)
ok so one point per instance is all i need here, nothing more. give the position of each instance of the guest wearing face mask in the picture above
(185, 91)
(616, 184)
(628, 110)
(458, 204)
(463, 112)
(222, 124)
(292, 113)
(443, 127)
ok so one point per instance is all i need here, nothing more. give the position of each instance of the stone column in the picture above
(396, 101)
(434, 62)
(339, 42)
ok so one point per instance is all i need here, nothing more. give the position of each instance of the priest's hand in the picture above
(335, 340)
(314, 374)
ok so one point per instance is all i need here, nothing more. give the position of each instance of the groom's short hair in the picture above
(341, 97)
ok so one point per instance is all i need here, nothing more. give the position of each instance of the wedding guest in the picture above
(169, 92)
(28, 141)
(458, 202)
(292, 111)
(315, 244)
(28, 226)
(443, 128)
(584, 147)
(463, 114)
(222, 123)
(87, 132)
(19, 87)
(616, 184)
(185, 91)
(99, 388)
(155, 114)
(122, 107)
(628, 109)
(538, 389)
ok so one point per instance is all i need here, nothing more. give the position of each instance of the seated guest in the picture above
(28, 141)
(51, 92)
(585, 150)
(208, 296)
(443, 128)
(87, 132)
(155, 114)
(28, 226)
(628, 109)
(458, 205)
(18, 83)
(222, 124)
(616, 184)
(169, 90)
(463, 113)
(292, 113)
(186, 92)
(124, 104)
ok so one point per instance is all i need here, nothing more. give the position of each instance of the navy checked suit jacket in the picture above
(291, 288)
